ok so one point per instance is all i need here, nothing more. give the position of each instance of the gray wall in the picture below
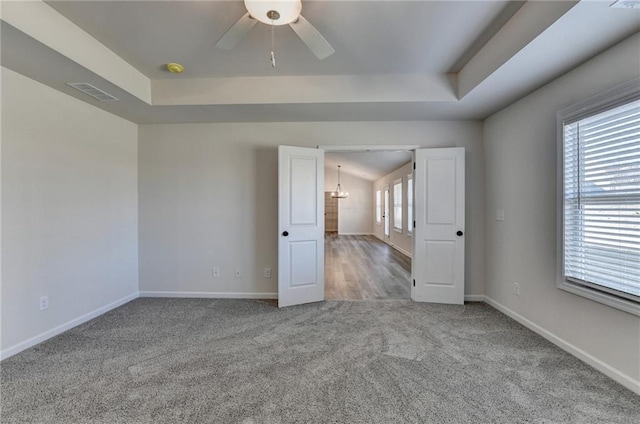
(520, 152)
(69, 210)
(208, 197)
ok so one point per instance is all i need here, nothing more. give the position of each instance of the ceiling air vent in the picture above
(92, 91)
(626, 4)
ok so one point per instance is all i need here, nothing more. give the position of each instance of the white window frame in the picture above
(378, 201)
(410, 204)
(398, 229)
(608, 100)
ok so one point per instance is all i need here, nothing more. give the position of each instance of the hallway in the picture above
(363, 267)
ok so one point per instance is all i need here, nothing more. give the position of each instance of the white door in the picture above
(300, 225)
(438, 258)
(386, 212)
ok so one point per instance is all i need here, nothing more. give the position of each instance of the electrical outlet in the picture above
(267, 273)
(215, 272)
(44, 303)
(238, 273)
(516, 288)
(500, 215)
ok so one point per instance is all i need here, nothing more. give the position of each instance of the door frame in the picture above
(370, 148)
(377, 148)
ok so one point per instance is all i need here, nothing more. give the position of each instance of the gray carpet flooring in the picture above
(240, 361)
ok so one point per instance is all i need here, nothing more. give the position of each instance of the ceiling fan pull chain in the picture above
(273, 46)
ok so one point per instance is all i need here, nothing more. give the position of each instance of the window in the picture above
(397, 205)
(409, 204)
(378, 207)
(600, 201)
(386, 211)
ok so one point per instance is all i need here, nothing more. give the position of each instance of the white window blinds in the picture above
(601, 237)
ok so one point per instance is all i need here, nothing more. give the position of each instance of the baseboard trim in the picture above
(474, 298)
(609, 371)
(209, 295)
(17, 348)
(354, 234)
(401, 250)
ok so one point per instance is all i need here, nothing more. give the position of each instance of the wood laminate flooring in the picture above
(363, 267)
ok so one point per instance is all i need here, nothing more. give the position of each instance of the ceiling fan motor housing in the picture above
(274, 12)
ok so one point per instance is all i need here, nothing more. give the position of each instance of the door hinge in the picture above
(414, 283)
(414, 165)
(414, 224)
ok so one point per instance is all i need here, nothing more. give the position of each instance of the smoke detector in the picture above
(175, 68)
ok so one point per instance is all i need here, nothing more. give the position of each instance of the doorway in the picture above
(437, 239)
(367, 257)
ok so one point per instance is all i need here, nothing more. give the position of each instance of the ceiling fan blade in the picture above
(236, 33)
(312, 38)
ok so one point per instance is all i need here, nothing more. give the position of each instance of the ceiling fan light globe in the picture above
(289, 10)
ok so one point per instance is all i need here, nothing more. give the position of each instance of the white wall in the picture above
(401, 240)
(355, 213)
(208, 197)
(69, 210)
(520, 152)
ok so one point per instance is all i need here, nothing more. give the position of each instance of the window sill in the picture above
(397, 230)
(625, 305)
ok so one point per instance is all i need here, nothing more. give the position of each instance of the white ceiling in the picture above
(394, 60)
(368, 165)
(375, 37)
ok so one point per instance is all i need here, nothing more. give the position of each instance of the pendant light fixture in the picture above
(339, 194)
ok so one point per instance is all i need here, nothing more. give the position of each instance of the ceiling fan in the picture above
(276, 13)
